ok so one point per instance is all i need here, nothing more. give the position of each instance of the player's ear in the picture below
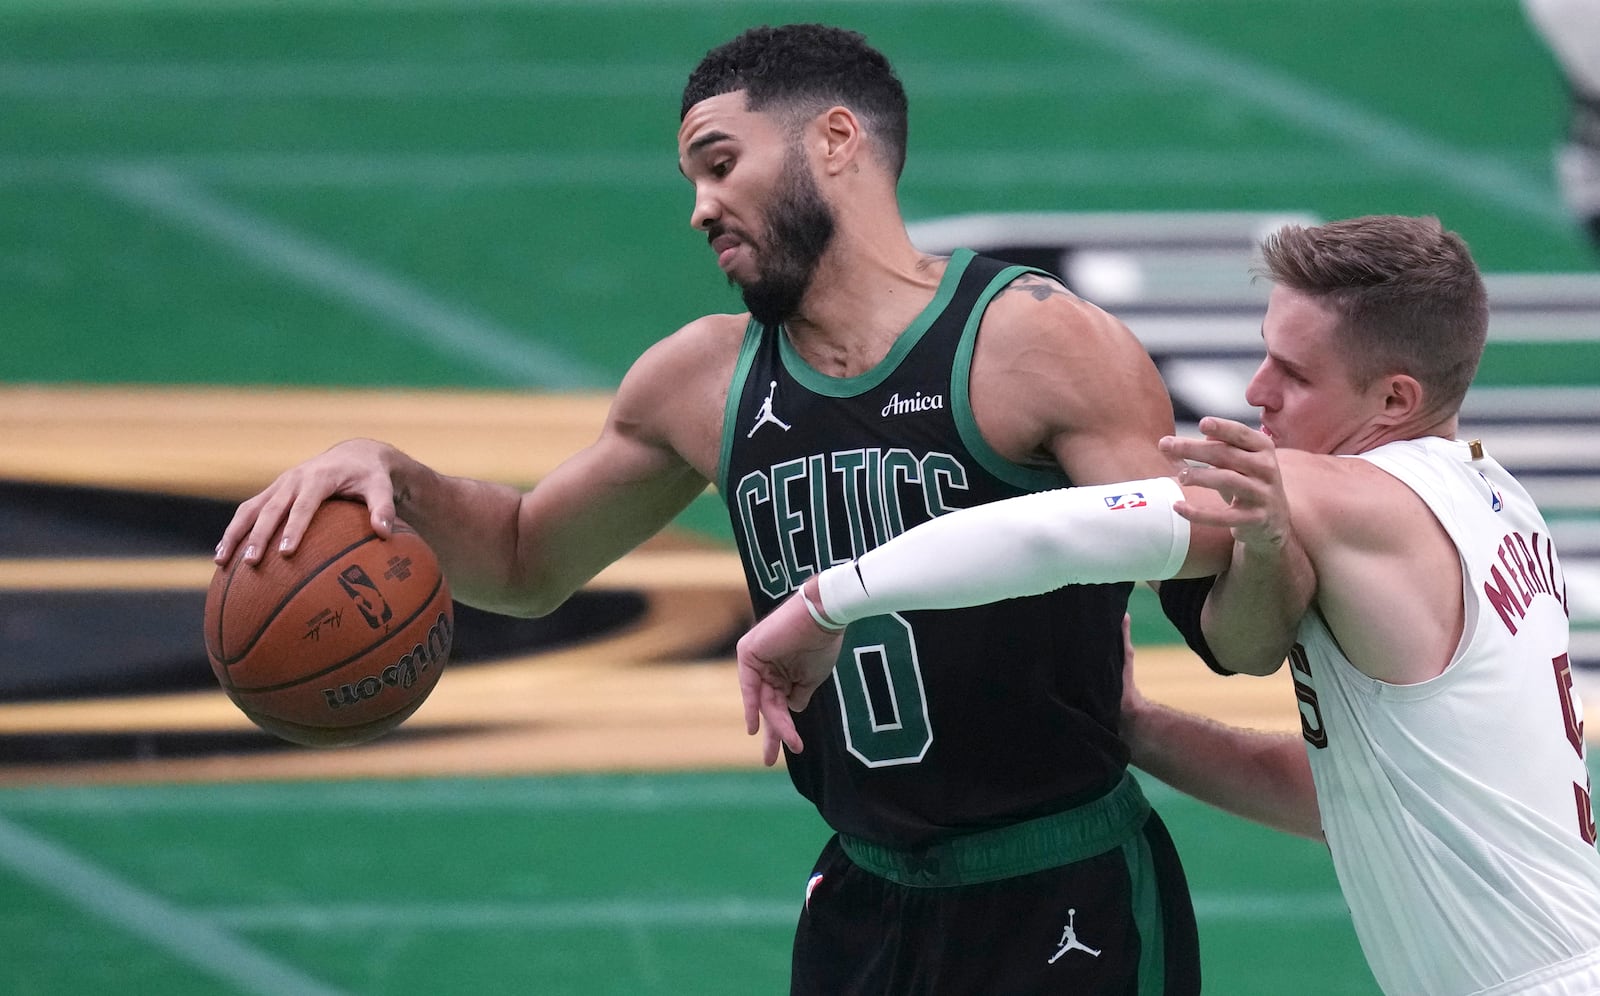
(840, 139)
(1403, 399)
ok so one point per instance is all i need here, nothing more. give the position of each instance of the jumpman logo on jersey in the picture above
(764, 414)
(1069, 940)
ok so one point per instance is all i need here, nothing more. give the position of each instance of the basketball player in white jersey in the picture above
(1429, 639)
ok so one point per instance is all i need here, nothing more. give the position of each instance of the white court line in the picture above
(192, 938)
(1272, 906)
(1383, 141)
(340, 169)
(212, 7)
(326, 78)
(323, 918)
(626, 912)
(607, 794)
(403, 80)
(449, 329)
(1071, 169)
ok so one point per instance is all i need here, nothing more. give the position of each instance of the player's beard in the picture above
(800, 226)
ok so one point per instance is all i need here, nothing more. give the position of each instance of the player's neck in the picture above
(1377, 435)
(868, 288)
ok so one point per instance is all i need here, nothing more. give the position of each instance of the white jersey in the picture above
(1457, 809)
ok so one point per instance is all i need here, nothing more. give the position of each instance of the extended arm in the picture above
(1004, 549)
(1135, 530)
(1264, 777)
(1103, 408)
(1053, 378)
(1020, 546)
(503, 549)
(528, 555)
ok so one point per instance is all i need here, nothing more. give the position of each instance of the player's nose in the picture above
(706, 210)
(1259, 393)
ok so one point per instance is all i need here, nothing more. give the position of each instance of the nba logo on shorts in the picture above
(1134, 499)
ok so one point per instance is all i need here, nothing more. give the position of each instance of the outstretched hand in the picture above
(356, 468)
(1241, 465)
(782, 661)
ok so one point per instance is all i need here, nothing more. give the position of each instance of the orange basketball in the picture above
(339, 643)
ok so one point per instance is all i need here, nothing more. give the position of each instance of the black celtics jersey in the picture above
(935, 721)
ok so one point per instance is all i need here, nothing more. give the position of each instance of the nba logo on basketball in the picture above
(1133, 499)
(364, 592)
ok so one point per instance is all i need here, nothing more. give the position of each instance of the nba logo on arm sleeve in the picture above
(1133, 499)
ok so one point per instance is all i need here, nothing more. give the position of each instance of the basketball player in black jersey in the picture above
(989, 839)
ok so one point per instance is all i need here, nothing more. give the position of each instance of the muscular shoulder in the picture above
(1389, 578)
(673, 395)
(1037, 308)
(1350, 503)
(1053, 373)
(691, 354)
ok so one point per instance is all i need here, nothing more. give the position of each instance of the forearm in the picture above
(1264, 777)
(1253, 611)
(525, 553)
(471, 526)
(1016, 547)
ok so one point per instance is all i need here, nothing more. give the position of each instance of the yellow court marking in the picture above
(231, 442)
(105, 574)
(646, 697)
(643, 568)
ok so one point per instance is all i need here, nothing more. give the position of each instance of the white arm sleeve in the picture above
(1019, 546)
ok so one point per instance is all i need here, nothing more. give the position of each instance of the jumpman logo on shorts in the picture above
(764, 414)
(1069, 940)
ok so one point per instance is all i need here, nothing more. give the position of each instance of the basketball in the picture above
(339, 643)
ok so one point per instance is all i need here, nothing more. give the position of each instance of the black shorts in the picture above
(1120, 922)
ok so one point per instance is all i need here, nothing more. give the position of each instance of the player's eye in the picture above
(1289, 373)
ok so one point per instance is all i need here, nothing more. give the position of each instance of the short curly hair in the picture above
(801, 70)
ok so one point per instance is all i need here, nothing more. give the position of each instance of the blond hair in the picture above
(1409, 297)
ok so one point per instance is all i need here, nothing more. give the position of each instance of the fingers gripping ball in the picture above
(338, 644)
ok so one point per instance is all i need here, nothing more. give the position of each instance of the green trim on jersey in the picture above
(849, 387)
(730, 408)
(1015, 474)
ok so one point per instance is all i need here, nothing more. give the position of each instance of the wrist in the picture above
(840, 594)
(811, 597)
(401, 470)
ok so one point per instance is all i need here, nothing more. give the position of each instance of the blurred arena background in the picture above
(234, 232)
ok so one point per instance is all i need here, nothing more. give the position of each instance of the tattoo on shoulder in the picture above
(1038, 287)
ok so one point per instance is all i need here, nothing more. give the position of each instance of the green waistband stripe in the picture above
(1021, 849)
